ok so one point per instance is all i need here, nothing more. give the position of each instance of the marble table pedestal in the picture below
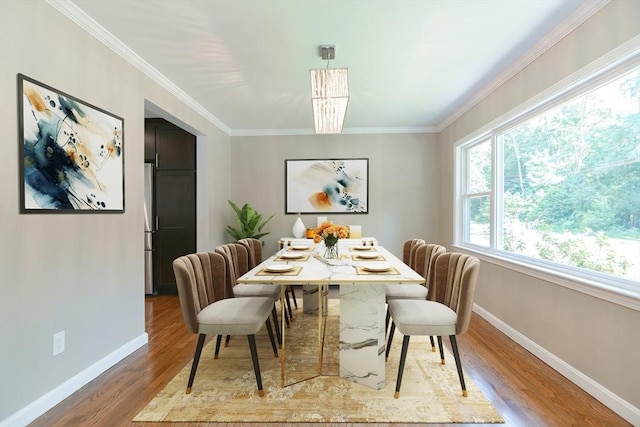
(362, 334)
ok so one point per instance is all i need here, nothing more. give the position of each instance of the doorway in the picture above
(172, 152)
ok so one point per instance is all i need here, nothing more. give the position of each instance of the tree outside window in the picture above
(568, 189)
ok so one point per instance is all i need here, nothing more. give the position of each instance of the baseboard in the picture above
(604, 395)
(66, 389)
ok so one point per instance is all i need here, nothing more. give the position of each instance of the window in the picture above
(560, 187)
(477, 202)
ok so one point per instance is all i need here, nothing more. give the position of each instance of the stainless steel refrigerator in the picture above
(149, 229)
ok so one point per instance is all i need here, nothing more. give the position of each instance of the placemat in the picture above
(302, 258)
(294, 272)
(392, 270)
(309, 249)
(378, 258)
(369, 249)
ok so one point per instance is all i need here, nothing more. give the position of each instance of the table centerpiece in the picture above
(330, 233)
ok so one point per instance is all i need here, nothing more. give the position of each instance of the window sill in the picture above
(610, 293)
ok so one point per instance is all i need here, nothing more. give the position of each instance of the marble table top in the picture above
(352, 268)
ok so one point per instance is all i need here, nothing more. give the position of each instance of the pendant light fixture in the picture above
(329, 95)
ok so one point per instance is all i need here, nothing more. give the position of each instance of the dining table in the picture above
(310, 292)
(362, 273)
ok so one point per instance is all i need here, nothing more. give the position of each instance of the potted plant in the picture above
(249, 223)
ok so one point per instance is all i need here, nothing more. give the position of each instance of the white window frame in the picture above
(617, 290)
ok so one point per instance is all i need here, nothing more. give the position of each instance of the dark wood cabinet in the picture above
(150, 140)
(173, 151)
(176, 206)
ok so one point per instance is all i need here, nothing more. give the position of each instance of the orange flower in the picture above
(330, 233)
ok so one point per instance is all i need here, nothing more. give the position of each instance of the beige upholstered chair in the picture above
(201, 280)
(254, 246)
(408, 257)
(408, 250)
(237, 257)
(423, 257)
(447, 312)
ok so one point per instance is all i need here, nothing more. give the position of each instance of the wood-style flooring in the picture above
(525, 391)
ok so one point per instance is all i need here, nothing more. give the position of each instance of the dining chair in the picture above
(206, 310)
(408, 250)
(423, 258)
(447, 311)
(254, 246)
(236, 256)
(408, 257)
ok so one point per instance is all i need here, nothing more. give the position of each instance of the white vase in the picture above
(298, 229)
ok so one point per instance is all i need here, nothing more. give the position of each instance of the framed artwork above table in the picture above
(327, 186)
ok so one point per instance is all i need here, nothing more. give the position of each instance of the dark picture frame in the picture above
(71, 153)
(330, 186)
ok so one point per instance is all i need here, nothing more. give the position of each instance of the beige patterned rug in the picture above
(225, 390)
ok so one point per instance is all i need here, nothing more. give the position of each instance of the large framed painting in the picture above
(71, 153)
(327, 186)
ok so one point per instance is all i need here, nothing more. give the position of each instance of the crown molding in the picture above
(584, 12)
(628, 52)
(345, 131)
(87, 23)
(416, 129)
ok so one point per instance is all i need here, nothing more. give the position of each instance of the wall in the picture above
(81, 273)
(403, 182)
(594, 340)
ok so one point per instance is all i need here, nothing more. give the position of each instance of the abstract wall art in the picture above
(71, 153)
(327, 186)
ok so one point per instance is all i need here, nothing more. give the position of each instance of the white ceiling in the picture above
(413, 65)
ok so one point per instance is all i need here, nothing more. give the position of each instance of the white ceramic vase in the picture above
(298, 229)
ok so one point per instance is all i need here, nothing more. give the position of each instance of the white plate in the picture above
(300, 248)
(367, 256)
(377, 267)
(291, 256)
(363, 248)
(279, 268)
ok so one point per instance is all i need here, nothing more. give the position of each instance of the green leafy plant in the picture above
(249, 223)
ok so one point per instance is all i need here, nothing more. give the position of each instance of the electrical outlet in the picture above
(58, 343)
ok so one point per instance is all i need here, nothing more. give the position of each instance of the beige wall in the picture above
(80, 273)
(597, 338)
(403, 182)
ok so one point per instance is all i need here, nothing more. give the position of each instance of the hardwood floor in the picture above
(524, 390)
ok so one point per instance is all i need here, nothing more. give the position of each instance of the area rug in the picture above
(225, 390)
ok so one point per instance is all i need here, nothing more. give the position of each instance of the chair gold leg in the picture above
(396, 395)
(321, 308)
(283, 354)
(464, 393)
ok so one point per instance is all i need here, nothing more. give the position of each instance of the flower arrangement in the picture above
(330, 233)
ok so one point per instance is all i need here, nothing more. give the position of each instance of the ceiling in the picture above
(413, 65)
